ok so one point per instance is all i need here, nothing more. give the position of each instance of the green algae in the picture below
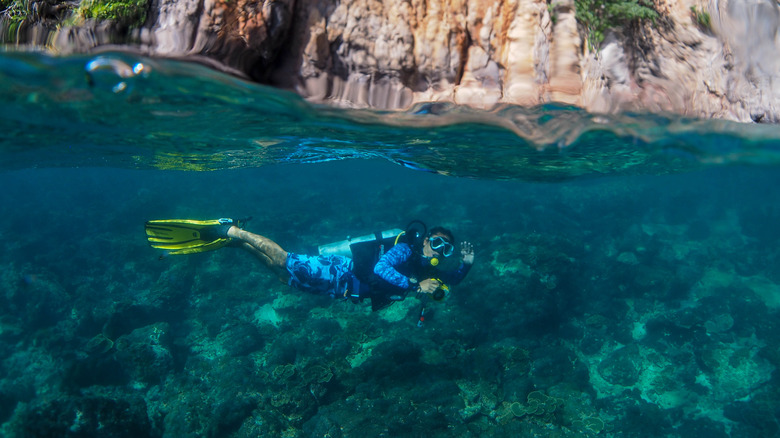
(125, 13)
(599, 16)
(128, 13)
(592, 425)
(99, 344)
(702, 18)
(283, 372)
(539, 406)
(317, 374)
(16, 10)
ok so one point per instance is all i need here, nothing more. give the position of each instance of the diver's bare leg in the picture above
(269, 252)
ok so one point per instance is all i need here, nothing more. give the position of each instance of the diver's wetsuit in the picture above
(322, 275)
(337, 276)
(401, 262)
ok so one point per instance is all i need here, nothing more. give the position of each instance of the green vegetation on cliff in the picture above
(598, 16)
(15, 10)
(131, 13)
(128, 13)
(702, 17)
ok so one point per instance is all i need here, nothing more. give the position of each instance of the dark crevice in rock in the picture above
(464, 57)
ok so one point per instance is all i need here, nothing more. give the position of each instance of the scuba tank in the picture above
(344, 247)
(414, 234)
(367, 249)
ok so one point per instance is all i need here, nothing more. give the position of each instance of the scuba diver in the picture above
(384, 267)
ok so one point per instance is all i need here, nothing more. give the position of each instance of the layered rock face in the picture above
(393, 53)
(729, 70)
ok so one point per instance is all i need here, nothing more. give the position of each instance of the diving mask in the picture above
(441, 245)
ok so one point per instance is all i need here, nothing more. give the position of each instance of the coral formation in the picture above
(539, 406)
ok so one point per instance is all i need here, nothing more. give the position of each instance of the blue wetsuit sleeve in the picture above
(386, 266)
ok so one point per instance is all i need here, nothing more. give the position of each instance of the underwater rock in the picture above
(317, 374)
(553, 364)
(214, 397)
(39, 299)
(100, 369)
(761, 224)
(733, 371)
(400, 310)
(7, 405)
(241, 339)
(622, 366)
(10, 329)
(699, 230)
(338, 348)
(284, 349)
(633, 416)
(487, 363)
(390, 360)
(10, 395)
(753, 419)
(686, 317)
(323, 425)
(99, 344)
(478, 397)
(266, 314)
(145, 353)
(666, 331)
(628, 258)
(592, 343)
(579, 411)
(719, 323)
(266, 422)
(88, 416)
(126, 317)
(194, 413)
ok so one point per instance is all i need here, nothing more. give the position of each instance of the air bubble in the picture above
(110, 73)
(119, 68)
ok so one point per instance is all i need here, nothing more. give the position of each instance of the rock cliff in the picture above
(393, 53)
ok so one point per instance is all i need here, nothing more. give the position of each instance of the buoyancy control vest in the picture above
(366, 251)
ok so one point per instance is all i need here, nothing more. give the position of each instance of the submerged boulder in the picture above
(145, 353)
(622, 366)
(88, 416)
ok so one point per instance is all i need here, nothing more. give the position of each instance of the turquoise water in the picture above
(626, 283)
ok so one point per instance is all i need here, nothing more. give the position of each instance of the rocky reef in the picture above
(591, 311)
(691, 57)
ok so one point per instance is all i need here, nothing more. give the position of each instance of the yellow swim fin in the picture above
(188, 236)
